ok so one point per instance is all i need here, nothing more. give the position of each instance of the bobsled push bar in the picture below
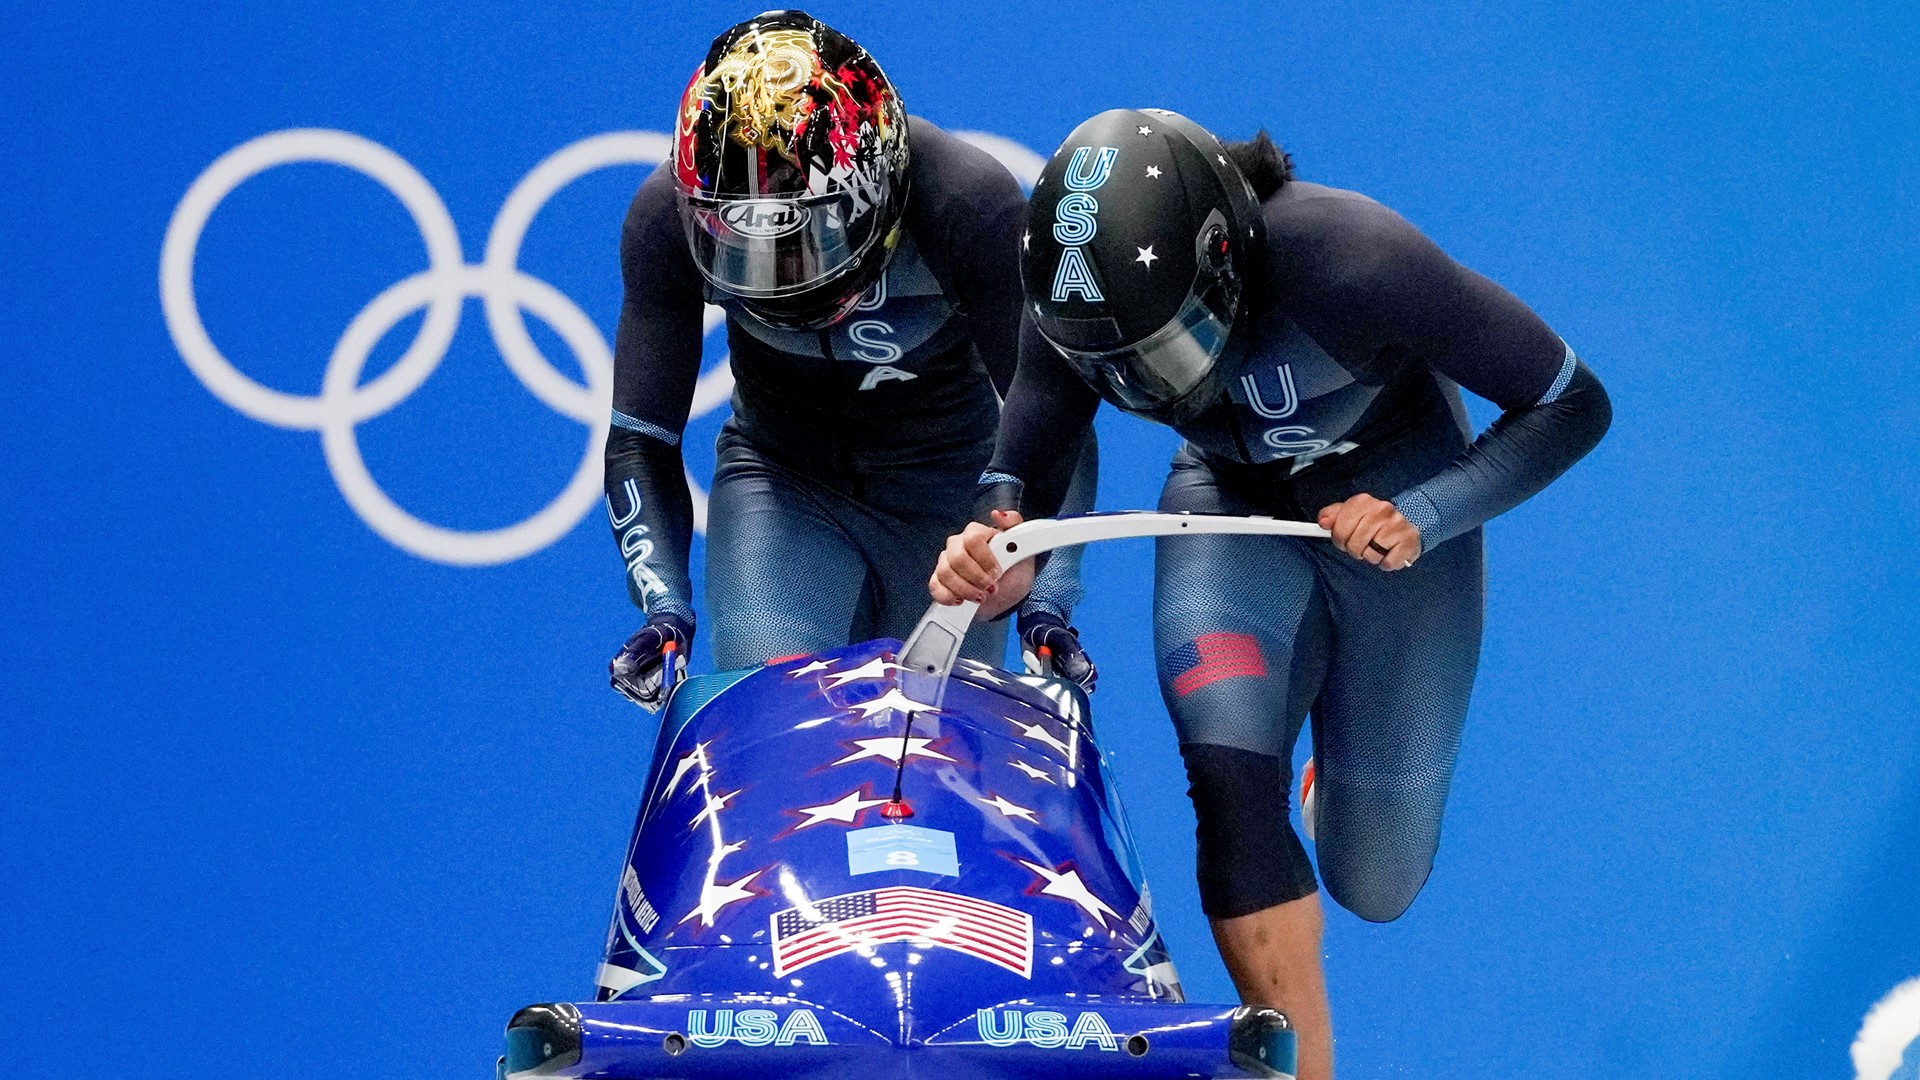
(930, 653)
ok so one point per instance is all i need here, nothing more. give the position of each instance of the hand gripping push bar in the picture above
(930, 652)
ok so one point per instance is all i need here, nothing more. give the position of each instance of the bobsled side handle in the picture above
(1030, 538)
(934, 646)
(930, 652)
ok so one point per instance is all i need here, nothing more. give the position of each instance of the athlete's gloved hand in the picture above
(637, 670)
(1069, 658)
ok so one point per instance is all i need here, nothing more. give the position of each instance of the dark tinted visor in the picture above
(1169, 363)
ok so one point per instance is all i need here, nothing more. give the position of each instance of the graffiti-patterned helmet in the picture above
(790, 153)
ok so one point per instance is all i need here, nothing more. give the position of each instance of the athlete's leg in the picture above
(783, 577)
(1241, 634)
(1386, 727)
(1273, 957)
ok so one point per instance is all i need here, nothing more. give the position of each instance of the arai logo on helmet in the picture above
(764, 219)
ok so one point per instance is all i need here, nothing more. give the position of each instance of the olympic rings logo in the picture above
(507, 294)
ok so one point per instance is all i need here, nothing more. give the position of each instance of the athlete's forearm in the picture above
(651, 511)
(1056, 585)
(1524, 451)
(1048, 411)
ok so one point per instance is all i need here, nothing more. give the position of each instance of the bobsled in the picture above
(883, 860)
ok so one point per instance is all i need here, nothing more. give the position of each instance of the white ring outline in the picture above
(457, 546)
(502, 258)
(242, 163)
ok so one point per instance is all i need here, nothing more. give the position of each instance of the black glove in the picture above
(637, 670)
(1070, 661)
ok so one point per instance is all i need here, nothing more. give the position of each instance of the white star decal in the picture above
(688, 761)
(1153, 172)
(817, 665)
(890, 748)
(1068, 886)
(1146, 256)
(875, 668)
(715, 804)
(1036, 774)
(1145, 130)
(1221, 158)
(845, 810)
(1026, 240)
(892, 699)
(1035, 731)
(984, 671)
(1008, 809)
(715, 896)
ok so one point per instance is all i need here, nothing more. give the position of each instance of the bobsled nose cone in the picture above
(541, 1039)
(1262, 1042)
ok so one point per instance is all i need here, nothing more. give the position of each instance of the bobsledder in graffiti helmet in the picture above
(790, 155)
(1139, 276)
(869, 340)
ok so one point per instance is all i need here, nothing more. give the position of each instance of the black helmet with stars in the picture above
(1142, 238)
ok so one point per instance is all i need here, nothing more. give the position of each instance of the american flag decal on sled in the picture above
(999, 935)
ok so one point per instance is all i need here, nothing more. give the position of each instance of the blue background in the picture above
(279, 797)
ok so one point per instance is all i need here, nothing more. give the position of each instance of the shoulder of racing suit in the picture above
(1353, 300)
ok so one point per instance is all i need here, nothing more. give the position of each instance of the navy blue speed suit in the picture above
(1365, 332)
(852, 452)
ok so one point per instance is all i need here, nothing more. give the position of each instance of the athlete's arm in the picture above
(1047, 610)
(1048, 414)
(1394, 294)
(975, 213)
(656, 364)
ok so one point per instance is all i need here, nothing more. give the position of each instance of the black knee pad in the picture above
(1248, 856)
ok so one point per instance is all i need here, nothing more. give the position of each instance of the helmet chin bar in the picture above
(818, 316)
(929, 654)
(829, 302)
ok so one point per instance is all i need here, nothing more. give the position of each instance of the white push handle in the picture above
(930, 652)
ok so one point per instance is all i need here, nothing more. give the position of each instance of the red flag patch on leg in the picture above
(1210, 658)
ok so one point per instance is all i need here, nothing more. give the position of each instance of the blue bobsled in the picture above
(781, 914)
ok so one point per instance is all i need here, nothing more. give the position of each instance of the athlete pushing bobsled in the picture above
(1308, 343)
(866, 262)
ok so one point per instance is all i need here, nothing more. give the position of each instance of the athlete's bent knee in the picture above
(1248, 858)
(1377, 894)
